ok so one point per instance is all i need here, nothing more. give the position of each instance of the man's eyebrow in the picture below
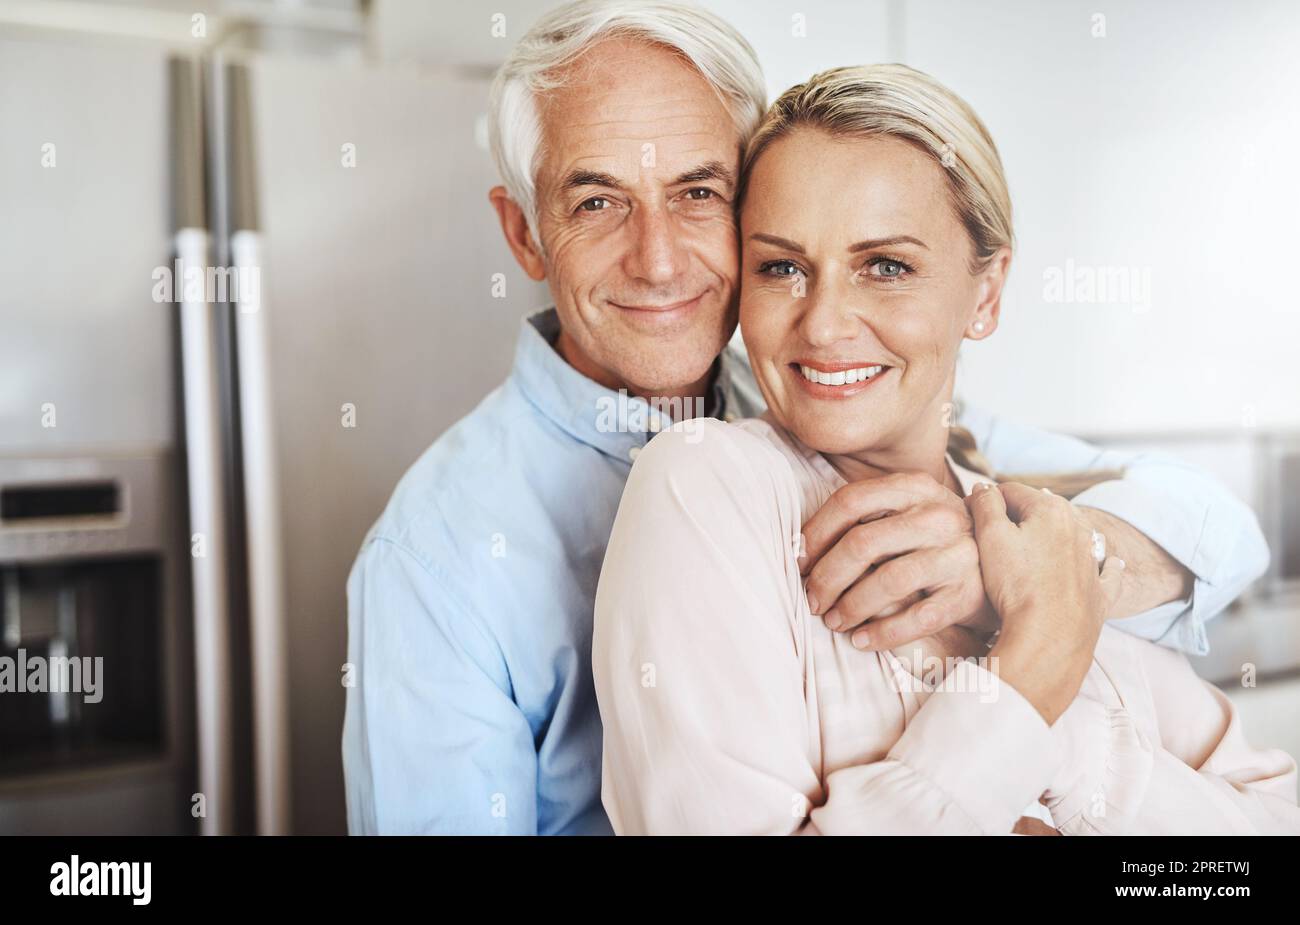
(580, 178)
(886, 242)
(779, 242)
(713, 170)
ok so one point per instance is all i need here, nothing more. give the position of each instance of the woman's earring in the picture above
(978, 327)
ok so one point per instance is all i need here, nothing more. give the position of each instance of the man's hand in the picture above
(899, 551)
(1028, 825)
(1151, 576)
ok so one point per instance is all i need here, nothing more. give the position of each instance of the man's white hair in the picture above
(718, 52)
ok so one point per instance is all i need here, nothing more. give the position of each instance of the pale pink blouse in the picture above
(729, 708)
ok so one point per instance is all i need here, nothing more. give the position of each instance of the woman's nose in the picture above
(828, 316)
(653, 252)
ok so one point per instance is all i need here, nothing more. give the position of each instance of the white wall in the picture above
(1160, 154)
(1168, 145)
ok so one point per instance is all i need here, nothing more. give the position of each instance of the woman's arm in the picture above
(708, 692)
(1207, 777)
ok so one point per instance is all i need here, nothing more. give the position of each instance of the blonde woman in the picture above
(876, 233)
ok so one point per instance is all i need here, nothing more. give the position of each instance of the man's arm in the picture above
(1190, 545)
(891, 560)
(432, 741)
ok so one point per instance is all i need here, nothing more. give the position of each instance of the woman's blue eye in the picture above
(594, 204)
(889, 269)
(779, 268)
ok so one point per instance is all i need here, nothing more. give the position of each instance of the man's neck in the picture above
(691, 395)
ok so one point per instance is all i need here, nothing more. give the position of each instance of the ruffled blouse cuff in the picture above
(1106, 772)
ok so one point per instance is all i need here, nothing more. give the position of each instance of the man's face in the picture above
(635, 217)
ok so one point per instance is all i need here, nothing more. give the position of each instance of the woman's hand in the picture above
(1040, 575)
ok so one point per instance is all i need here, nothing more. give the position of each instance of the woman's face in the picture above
(856, 291)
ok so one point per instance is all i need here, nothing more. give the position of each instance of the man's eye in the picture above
(779, 268)
(595, 204)
(700, 193)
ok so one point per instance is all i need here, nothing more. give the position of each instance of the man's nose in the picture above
(829, 315)
(654, 253)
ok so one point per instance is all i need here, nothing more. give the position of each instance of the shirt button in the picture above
(633, 453)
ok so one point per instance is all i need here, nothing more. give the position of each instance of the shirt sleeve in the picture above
(1185, 511)
(1172, 758)
(701, 662)
(1207, 778)
(432, 741)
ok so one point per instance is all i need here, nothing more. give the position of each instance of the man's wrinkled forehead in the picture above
(653, 112)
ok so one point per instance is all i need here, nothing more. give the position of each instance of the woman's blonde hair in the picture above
(897, 101)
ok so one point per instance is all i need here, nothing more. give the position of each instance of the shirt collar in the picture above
(614, 422)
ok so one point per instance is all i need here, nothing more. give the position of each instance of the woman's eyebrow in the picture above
(778, 242)
(886, 242)
(853, 248)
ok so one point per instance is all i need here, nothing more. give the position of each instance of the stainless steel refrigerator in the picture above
(185, 480)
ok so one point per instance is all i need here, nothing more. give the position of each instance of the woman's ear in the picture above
(991, 279)
(514, 225)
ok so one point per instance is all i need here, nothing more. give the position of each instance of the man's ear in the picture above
(992, 280)
(515, 227)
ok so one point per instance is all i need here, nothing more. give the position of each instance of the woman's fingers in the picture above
(1112, 573)
(1025, 503)
(988, 511)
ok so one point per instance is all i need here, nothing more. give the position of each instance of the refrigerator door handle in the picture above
(203, 456)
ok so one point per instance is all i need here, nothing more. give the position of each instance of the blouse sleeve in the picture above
(1207, 777)
(700, 661)
(1170, 760)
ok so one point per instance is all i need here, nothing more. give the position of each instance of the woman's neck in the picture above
(925, 452)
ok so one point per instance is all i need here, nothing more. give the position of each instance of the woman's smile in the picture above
(836, 381)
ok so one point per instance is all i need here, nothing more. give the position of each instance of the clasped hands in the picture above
(900, 558)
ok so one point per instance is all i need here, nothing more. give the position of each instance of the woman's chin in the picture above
(835, 438)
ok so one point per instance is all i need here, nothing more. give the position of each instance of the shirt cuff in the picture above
(1177, 625)
(983, 744)
(1177, 527)
(1180, 531)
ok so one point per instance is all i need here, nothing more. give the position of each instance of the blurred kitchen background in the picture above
(183, 486)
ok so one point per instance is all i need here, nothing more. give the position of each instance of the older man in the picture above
(617, 129)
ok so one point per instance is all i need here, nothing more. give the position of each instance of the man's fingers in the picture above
(1028, 825)
(925, 617)
(893, 583)
(866, 545)
(859, 502)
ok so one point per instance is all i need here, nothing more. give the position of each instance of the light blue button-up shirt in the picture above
(471, 707)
